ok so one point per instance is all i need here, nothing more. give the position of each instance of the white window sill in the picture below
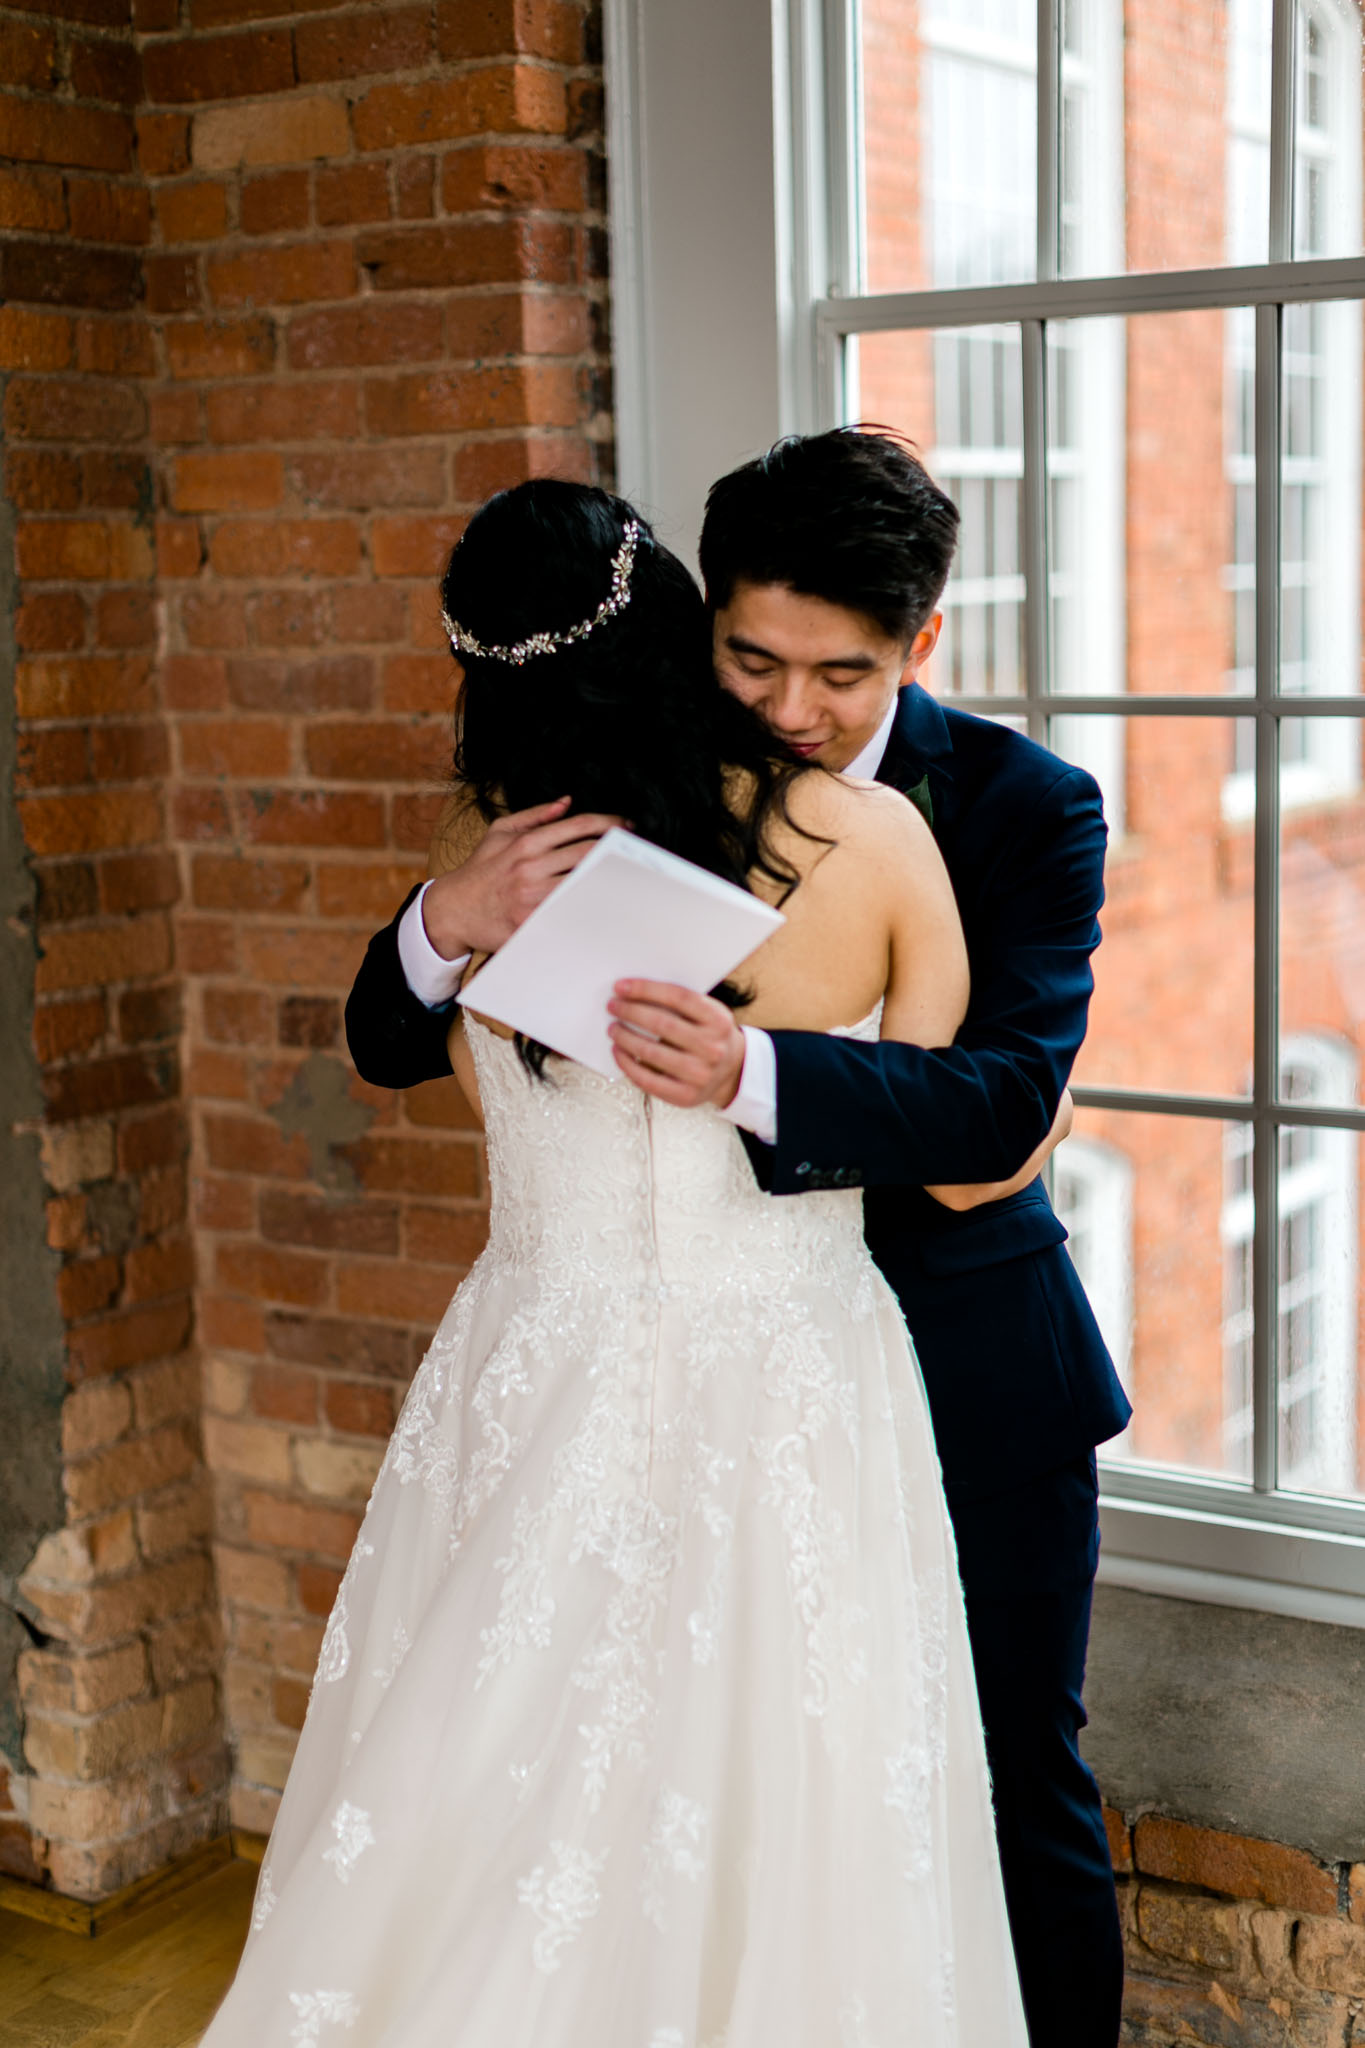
(1229, 1560)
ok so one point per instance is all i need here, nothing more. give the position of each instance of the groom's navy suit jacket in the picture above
(1017, 1374)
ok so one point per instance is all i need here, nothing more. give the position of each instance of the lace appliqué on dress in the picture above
(334, 1659)
(675, 1845)
(354, 1835)
(563, 1903)
(317, 2009)
(266, 1900)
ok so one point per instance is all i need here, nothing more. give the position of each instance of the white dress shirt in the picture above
(434, 980)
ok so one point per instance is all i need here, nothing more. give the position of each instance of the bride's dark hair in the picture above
(629, 719)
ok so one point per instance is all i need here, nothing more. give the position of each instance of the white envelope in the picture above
(629, 910)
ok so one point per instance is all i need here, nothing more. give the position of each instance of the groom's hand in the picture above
(684, 1048)
(476, 907)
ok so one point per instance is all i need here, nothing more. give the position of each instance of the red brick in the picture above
(231, 13)
(131, 1338)
(195, 682)
(364, 477)
(63, 274)
(290, 274)
(149, 16)
(213, 619)
(126, 618)
(468, 252)
(61, 1029)
(289, 618)
(439, 1105)
(218, 1076)
(163, 144)
(413, 820)
(81, 550)
(365, 890)
(86, 1286)
(174, 417)
(235, 747)
(413, 547)
(372, 614)
(359, 1410)
(31, 198)
(318, 1588)
(54, 759)
(492, 28)
(340, 1345)
(284, 412)
(238, 1016)
(106, 70)
(320, 547)
(193, 212)
(501, 99)
(1120, 1841)
(327, 1225)
(115, 348)
(502, 175)
(415, 1166)
(55, 621)
(228, 882)
(278, 131)
(101, 212)
(309, 1021)
(351, 193)
(223, 1204)
(444, 402)
(84, 687)
(266, 1273)
(220, 348)
(53, 409)
(310, 818)
(198, 815)
(273, 204)
(1237, 1865)
(179, 548)
(139, 881)
(231, 1324)
(444, 1237)
(301, 957)
(116, 479)
(397, 39)
(49, 132)
(333, 682)
(228, 482)
(207, 945)
(28, 55)
(289, 1525)
(156, 1270)
(41, 480)
(35, 341)
(129, 753)
(389, 1288)
(289, 1700)
(281, 1395)
(227, 67)
(351, 336)
(172, 283)
(88, 822)
(371, 752)
(482, 467)
(415, 185)
(91, 958)
(146, 1015)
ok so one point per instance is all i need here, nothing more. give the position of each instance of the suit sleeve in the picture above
(894, 1115)
(395, 1040)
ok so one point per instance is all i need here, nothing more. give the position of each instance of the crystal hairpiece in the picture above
(616, 600)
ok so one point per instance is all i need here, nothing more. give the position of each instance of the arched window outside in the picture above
(1317, 1287)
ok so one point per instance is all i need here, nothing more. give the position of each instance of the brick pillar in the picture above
(376, 288)
(119, 1762)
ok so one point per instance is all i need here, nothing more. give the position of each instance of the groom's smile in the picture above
(821, 676)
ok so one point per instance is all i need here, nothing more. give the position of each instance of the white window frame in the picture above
(735, 233)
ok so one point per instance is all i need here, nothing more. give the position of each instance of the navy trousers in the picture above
(1027, 1559)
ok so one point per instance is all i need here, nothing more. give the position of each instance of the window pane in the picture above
(1321, 445)
(958, 394)
(1327, 129)
(1160, 1210)
(1320, 1306)
(949, 142)
(1172, 1009)
(1322, 908)
(1150, 442)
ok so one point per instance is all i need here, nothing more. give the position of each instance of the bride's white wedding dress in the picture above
(645, 1716)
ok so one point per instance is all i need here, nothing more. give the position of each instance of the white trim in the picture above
(1187, 1554)
(626, 185)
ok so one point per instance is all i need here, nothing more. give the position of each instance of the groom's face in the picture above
(821, 677)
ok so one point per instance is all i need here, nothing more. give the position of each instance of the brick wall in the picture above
(293, 290)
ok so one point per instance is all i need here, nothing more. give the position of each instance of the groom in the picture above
(824, 563)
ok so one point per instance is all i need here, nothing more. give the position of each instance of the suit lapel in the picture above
(919, 756)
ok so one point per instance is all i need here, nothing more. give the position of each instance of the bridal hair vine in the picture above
(616, 600)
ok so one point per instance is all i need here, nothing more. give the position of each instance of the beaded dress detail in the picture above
(645, 1715)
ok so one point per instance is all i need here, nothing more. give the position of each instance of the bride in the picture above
(645, 1716)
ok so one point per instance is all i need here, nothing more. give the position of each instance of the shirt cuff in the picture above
(432, 978)
(754, 1108)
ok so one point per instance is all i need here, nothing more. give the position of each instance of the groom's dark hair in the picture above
(851, 516)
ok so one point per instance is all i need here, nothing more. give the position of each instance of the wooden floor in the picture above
(150, 1982)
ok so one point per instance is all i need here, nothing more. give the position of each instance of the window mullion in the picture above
(1265, 1061)
(1284, 46)
(1034, 522)
(1049, 137)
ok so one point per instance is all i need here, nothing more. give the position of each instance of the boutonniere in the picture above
(923, 802)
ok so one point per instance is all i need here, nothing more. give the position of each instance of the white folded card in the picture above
(629, 911)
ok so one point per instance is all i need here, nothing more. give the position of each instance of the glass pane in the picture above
(1320, 1309)
(1160, 1210)
(949, 142)
(1327, 129)
(1172, 1009)
(1150, 447)
(958, 394)
(1320, 625)
(1322, 909)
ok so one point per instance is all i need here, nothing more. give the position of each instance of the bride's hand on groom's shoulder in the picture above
(476, 905)
(681, 1047)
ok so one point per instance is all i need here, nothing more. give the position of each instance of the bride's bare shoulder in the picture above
(867, 820)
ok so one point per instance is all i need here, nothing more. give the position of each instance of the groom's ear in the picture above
(921, 647)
